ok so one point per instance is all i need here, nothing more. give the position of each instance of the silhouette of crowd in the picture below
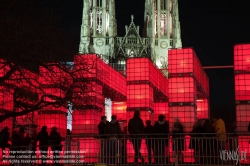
(21, 142)
(208, 138)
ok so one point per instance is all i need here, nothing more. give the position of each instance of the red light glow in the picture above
(160, 108)
(119, 109)
(182, 89)
(244, 147)
(242, 87)
(139, 96)
(242, 57)
(86, 121)
(51, 120)
(202, 108)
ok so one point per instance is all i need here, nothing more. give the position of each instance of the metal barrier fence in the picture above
(177, 149)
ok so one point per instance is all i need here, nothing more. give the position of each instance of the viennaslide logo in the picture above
(233, 155)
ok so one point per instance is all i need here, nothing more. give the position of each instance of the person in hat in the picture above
(55, 142)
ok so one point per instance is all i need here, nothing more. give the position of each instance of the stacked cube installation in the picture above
(242, 93)
(147, 93)
(188, 84)
(188, 91)
(93, 80)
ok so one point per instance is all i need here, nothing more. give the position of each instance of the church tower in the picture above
(162, 26)
(98, 28)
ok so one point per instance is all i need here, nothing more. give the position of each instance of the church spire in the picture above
(98, 28)
(163, 27)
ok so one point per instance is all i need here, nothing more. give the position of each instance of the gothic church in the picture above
(161, 32)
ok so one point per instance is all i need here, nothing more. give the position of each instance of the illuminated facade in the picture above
(161, 32)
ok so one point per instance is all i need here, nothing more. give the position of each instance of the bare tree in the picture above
(30, 37)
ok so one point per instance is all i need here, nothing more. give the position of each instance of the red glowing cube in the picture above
(242, 87)
(202, 108)
(242, 57)
(182, 89)
(242, 117)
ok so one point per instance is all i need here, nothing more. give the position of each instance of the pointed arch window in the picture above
(156, 23)
(99, 3)
(107, 22)
(163, 24)
(99, 21)
(91, 22)
(171, 18)
(90, 3)
(156, 4)
(107, 4)
(163, 4)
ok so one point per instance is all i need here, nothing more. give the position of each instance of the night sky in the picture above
(211, 27)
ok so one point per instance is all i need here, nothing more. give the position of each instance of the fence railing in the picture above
(173, 149)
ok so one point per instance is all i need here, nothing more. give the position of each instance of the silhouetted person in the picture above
(17, 142)
(136, 126)
(43, 138)
(101, 129)
(123, 145)
(161, 129)
(112, 130)
(208, 143)
(68, 141)
(4, 138)
(233, 145)
(149, 130)
(195, 141)
(55, 142)
(179, 142)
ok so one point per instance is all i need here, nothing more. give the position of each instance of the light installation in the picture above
(184, 94)
(143, 89)
(187, 83)
(242, 93)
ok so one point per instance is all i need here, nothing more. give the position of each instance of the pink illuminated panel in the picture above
(242, 117)
(89, 149)
(185, 61)
(161, 108)
(51, 120)
(242, 87)
(181, 61)
(119, 109)
(244, 147)
(242, 57)
(138, 69)
(182, 89)
(85, 121)
(5, 67)
(186, 114)
(57, 93)
(87, 66)
(55, 74)
(87, 93)
(6, 98)
(140, 96)
(202, 108)
(142, 69)
(23, 78)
